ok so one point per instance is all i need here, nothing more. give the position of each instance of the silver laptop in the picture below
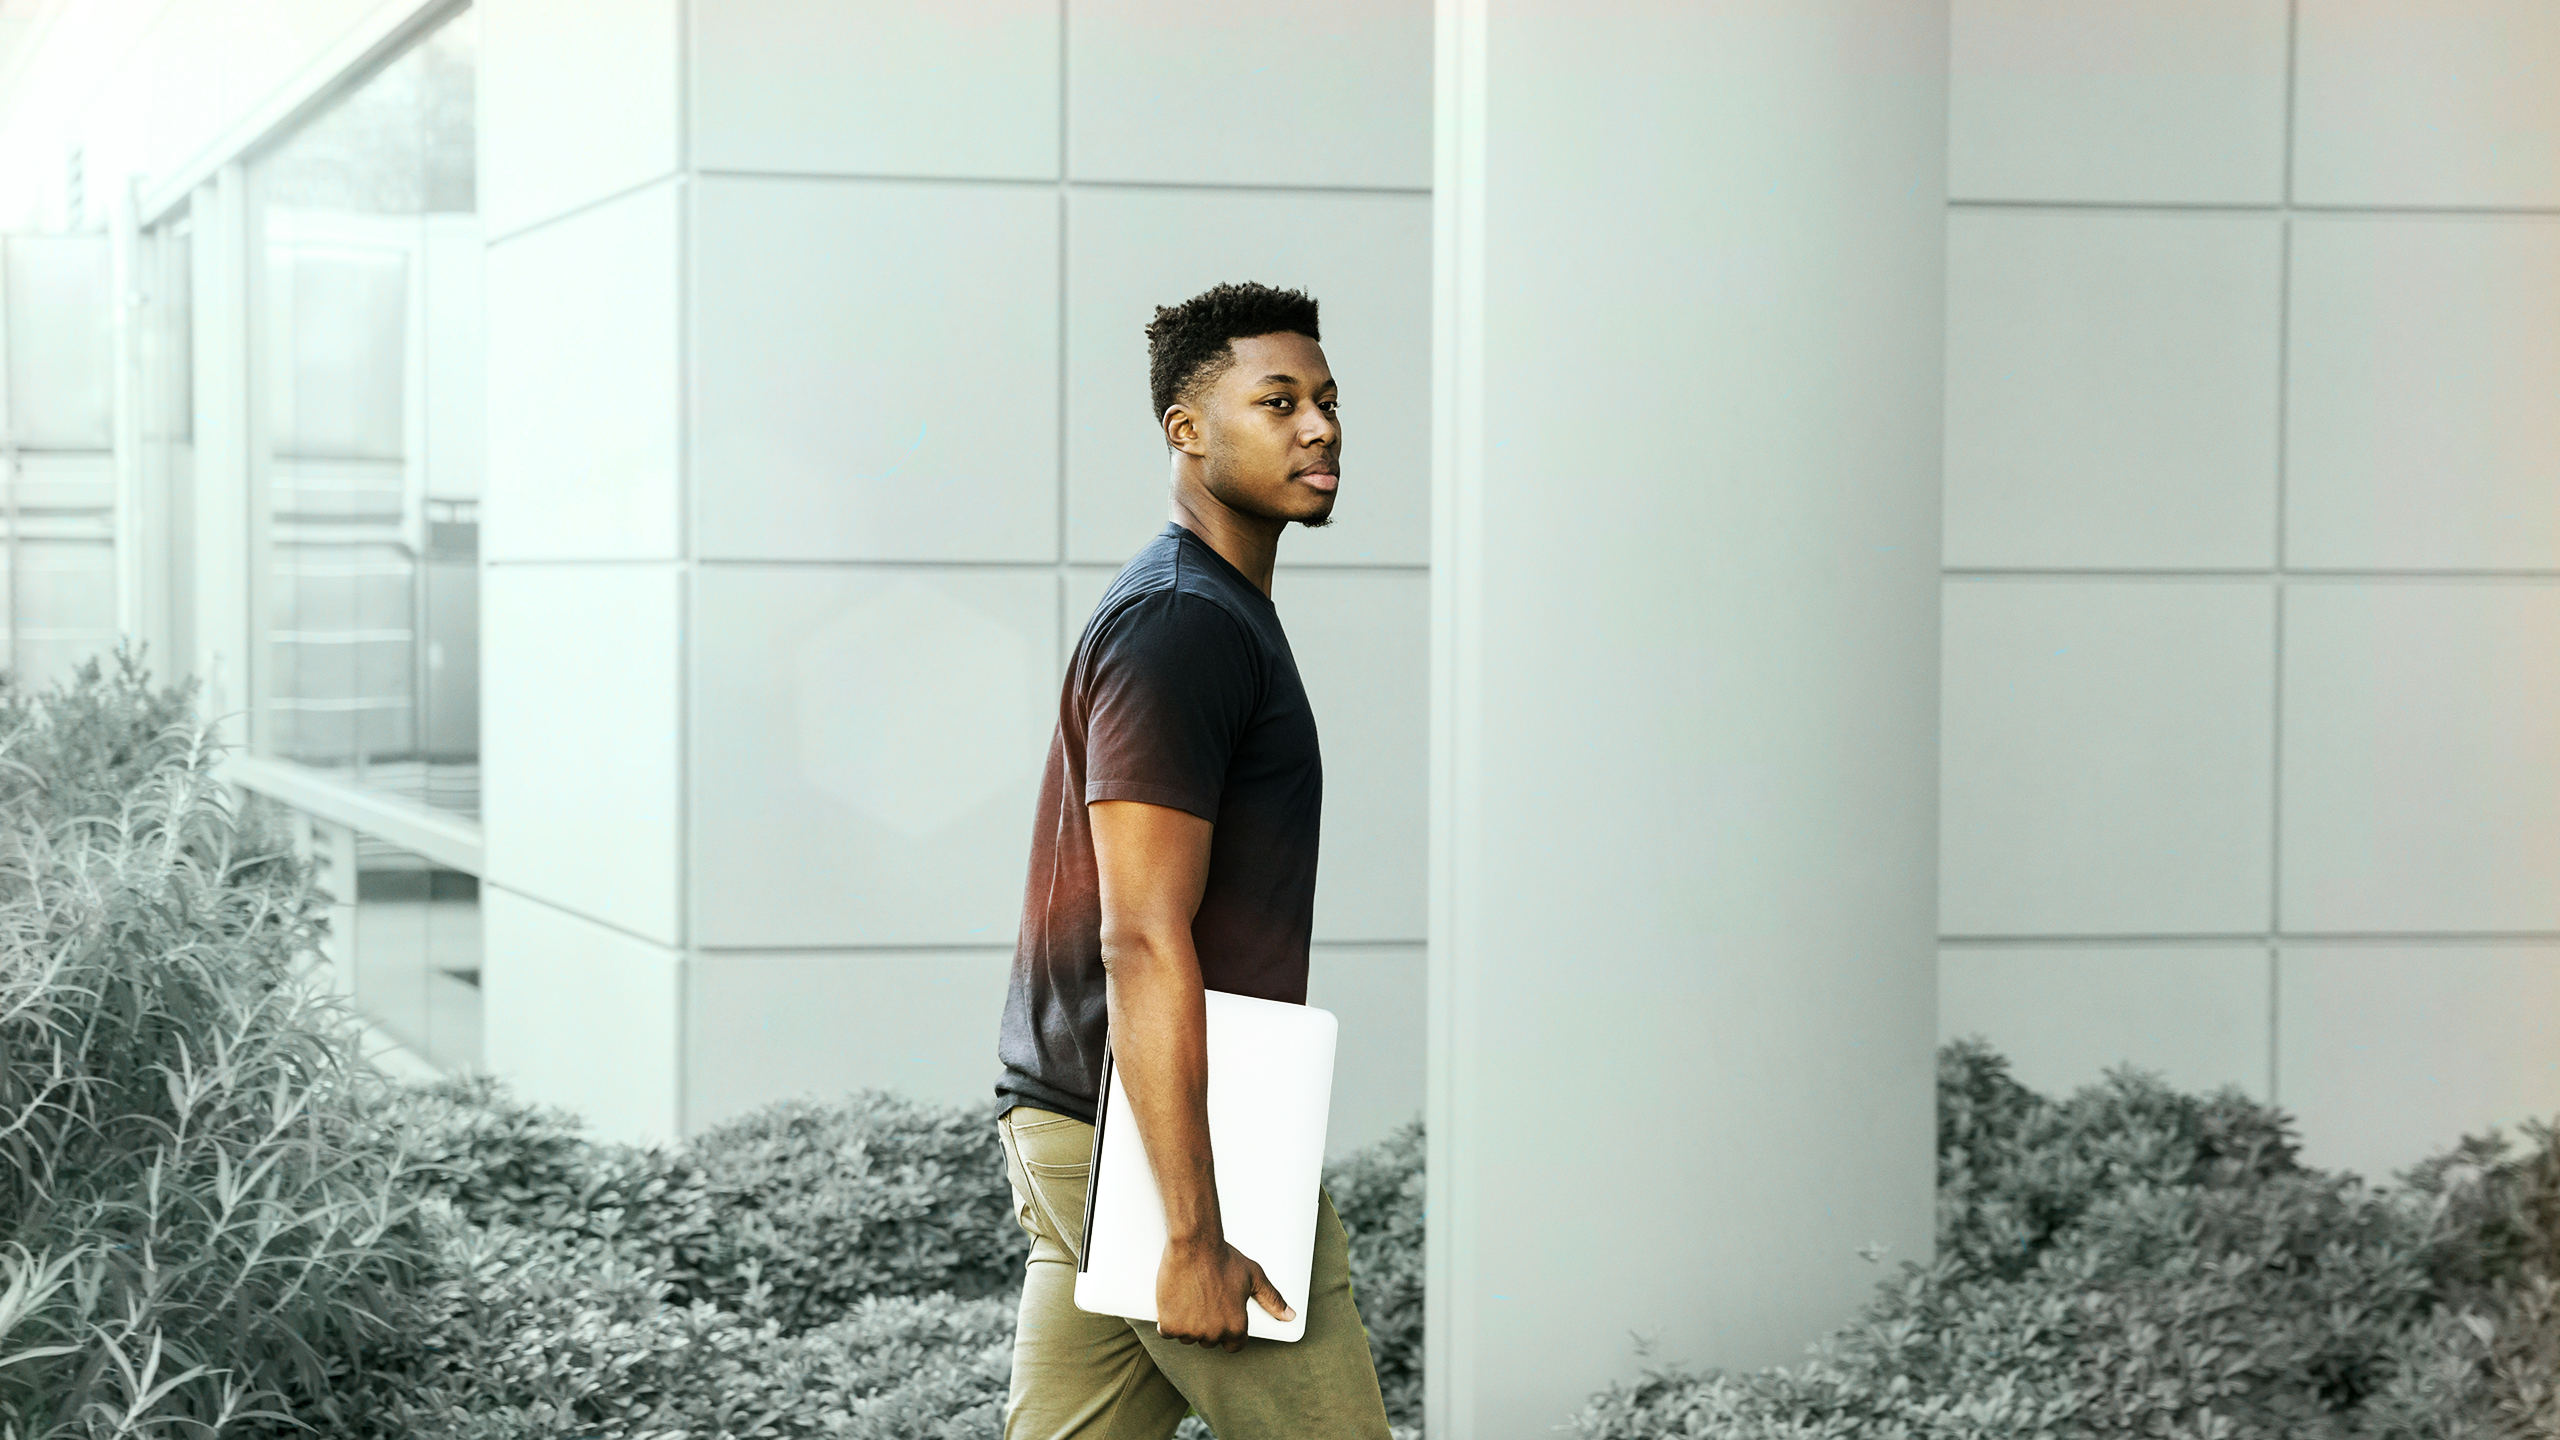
(1270, 1089)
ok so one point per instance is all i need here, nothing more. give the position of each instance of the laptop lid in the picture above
(1270, 1092)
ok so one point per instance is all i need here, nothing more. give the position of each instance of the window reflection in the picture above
(404, 939)
(365, 502)
(58, 601)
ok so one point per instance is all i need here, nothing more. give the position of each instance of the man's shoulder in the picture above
(1163, 585)
(1172, 606)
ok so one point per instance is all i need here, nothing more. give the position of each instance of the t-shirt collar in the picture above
(1181, 533)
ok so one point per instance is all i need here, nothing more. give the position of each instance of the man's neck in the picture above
(1248, 542)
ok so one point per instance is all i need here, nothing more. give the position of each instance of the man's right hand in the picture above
(1201, 1289)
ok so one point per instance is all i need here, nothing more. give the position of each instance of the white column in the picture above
(1684, 790)
(584, 560)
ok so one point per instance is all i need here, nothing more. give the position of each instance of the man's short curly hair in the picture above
(1187, 343)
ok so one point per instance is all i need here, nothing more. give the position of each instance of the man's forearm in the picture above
(1160, 1044)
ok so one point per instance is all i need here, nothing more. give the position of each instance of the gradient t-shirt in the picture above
(1182, 692)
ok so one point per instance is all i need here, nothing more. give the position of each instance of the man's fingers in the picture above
(1268, 1295)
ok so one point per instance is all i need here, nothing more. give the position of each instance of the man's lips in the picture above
(1320, 476)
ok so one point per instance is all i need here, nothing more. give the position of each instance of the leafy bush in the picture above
(196, 1230)
(1379, 1194)
(526, 1334)
(79, 748)
(502, 1162)
(2132, 1261)
(2015, 1171)
(878, 1195)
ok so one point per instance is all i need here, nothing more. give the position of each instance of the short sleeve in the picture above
(1171, 685)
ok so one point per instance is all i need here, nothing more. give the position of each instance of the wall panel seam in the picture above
(2066, 940)
(584, 207)
(2289, 576)
(616, 926)
(687, 486)
(725, 172)
(2254, 207)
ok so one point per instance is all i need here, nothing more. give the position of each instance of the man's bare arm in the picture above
(1153, 863)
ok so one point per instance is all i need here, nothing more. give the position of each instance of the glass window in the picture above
(57, 462)
(366, 448)
(404, 939)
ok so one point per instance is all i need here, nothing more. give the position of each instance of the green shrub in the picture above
(500, 1161)
(2135, 1262)
(78, 748)
(525, 1334)
(877, 1195)
(791, 1273)
(196, 1230)
(826, 1204)
(2015, 1171)
(1378, 1192)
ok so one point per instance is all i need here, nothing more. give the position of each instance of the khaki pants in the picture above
(1100, 1377)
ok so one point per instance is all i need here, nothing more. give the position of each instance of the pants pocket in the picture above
(1052, 1162)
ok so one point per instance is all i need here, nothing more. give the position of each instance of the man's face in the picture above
(1266, 427)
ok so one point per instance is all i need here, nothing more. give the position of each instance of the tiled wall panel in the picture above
(2427, 102)
(2105, 758)
(2198, 1016)
(582, 1016)
(2389, 1054)
(2113, 418)
(584, 385)
(766, 1026)
(866, 750)
(2421, 762)
(1367, 261)
(2101, 100)
(954, 88)
(2111, 389)
(580, 740)
(875, 371)
(576, 100)
(1376, 992)
(1321, 93)
(1363, 645)
(2423, 427)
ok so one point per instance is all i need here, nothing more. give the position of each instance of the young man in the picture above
(1175, 850)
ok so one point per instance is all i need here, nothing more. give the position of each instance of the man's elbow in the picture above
(1135, 951)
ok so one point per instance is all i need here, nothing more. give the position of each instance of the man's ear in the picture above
(1182, 430)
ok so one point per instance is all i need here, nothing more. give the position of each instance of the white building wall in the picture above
(818, 371)
(2252, 549)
